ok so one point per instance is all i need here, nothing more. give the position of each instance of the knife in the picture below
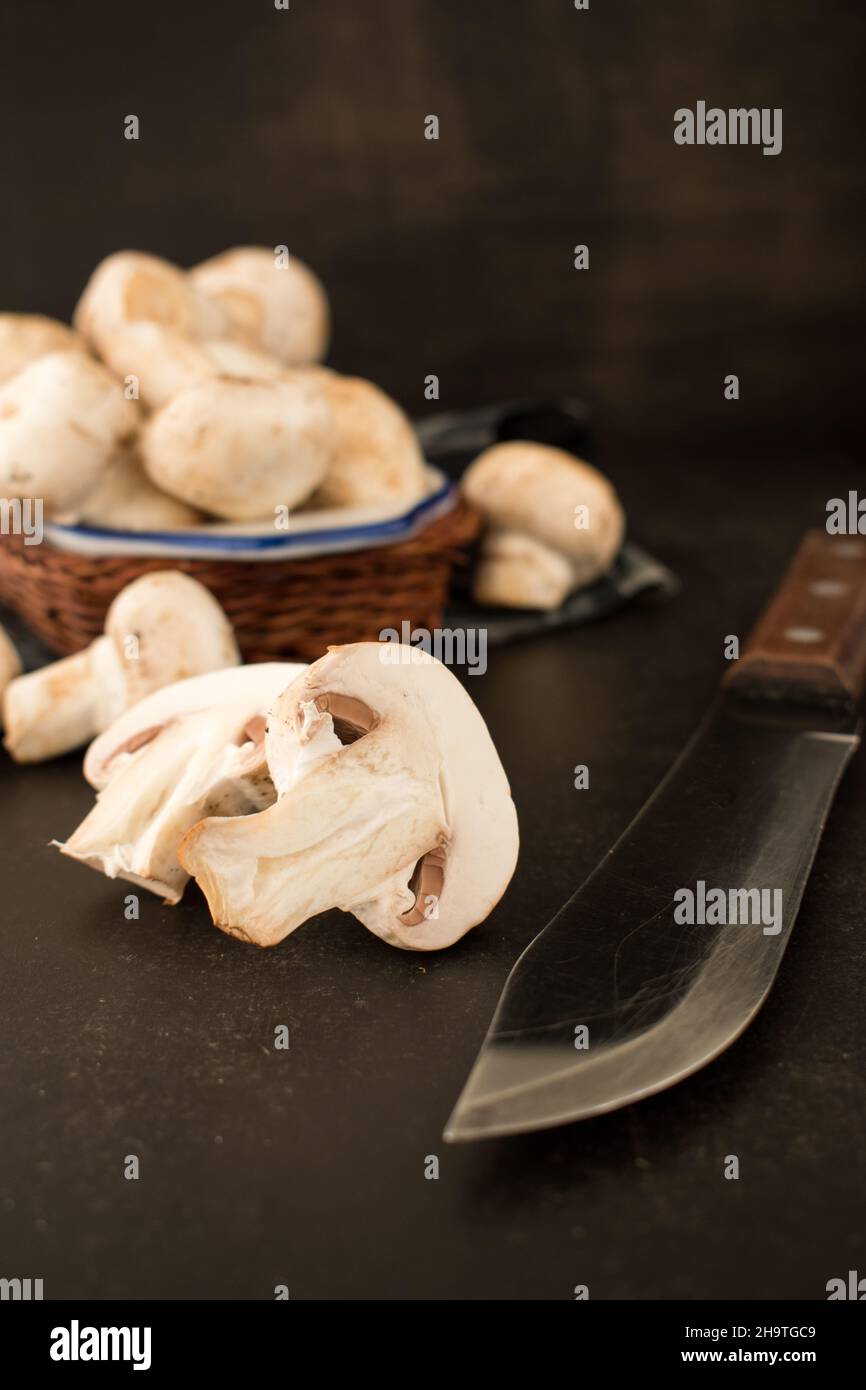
(666, 953)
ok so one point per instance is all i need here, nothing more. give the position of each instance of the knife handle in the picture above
(810, 644)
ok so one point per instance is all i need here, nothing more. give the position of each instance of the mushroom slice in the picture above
(392, 804)
(186, 752)
(161, 628)
(280, 308)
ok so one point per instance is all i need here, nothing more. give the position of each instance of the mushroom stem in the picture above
(162, 627)
(49, 711)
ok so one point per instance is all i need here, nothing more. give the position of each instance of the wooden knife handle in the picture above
(810, 644)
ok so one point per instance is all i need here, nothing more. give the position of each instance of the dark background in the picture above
(154, 1038)
(306, 127)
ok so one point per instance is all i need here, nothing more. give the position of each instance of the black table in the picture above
(306, 1167)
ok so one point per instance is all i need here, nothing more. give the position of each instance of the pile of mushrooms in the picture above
(181, 397)
(552, 524)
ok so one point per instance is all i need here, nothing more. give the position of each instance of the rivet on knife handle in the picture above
(810, 644)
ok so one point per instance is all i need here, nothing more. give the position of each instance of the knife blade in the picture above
(665, 954)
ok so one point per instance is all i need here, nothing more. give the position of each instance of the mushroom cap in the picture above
(10, 661)
(241, 362)
(536, 489)
(240, 449)
(166, 363)
(24, 337)
(125, 499)
(181, 754)
(515, 570)
(281, 309)
(392, 804)
(377, 456)
(131, 285)
(61, 420)
(165, 626)
(163, 360)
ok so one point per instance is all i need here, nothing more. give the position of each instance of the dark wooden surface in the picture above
(154, 1038)
(307, 1167)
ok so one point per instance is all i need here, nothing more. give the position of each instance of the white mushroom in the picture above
(25, 337)
(161, 628)
(61, 421)
(392, 804)
(132, 285)
(125, 499)
(163, 363)
(281, 308)
(240, 449)
(514, 570)
(158, 360)
(191, 750)
(242, 363)
(377, 457)
(551, 497)
(10, 661)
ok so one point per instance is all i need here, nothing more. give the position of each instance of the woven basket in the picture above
(279, 608)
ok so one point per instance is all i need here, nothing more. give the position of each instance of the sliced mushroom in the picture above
(240, 449)
(551, 497)
(26, 337)
(61, 421)
(125, 499)
(132, 285)
(185, 752)
(280, 308)
(377, 457)
(161, 628)
(10, 662)
(392, 804)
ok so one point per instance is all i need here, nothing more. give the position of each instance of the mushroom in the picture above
(131, 285)
(161, 628)
(549, 504)
(25, 337)
(240, 449)
(190, 750)
(392, 804)
(125, 499)
(10, 662)
(164, 362)
(280, 308)
(61, 420)
(515, 570)
(377, 456)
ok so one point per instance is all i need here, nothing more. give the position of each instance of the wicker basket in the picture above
(279, 608)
